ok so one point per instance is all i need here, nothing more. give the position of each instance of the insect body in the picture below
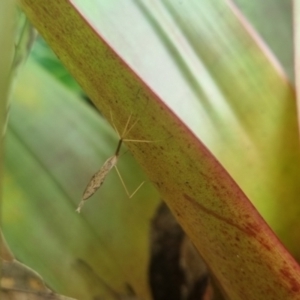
(99, 177)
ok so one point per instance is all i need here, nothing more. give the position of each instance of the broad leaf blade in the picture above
(54, 144)
(7, 36)
(222, 81)
(297, 51)
(278, 35)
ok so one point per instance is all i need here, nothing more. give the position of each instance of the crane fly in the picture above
(99, 177)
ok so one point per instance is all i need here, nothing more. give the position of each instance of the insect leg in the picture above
(124, 185)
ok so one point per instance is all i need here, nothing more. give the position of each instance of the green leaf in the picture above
(227, 90)
(7, 30)
(43, 54)
(247, 113)
(54, 144)
(7, 35)
(278, 35)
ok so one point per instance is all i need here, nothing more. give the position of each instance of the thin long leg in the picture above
(126, 130)
(129, 129)
(124, 185)
(113, 123)
(138, 141)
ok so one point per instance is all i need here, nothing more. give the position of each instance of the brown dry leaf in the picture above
(19, 282)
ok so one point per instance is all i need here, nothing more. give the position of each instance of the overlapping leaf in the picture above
(51, 154)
